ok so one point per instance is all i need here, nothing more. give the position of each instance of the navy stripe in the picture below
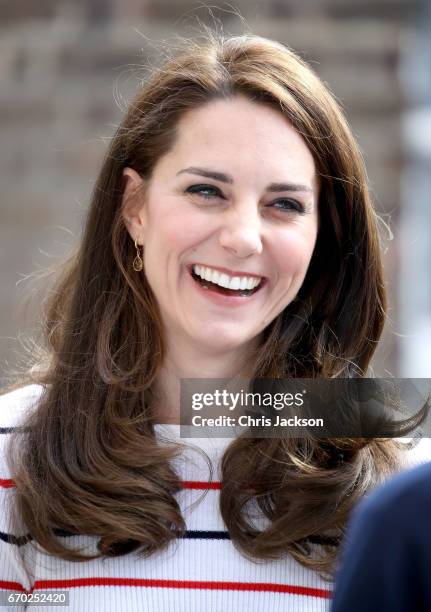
(9, 430)
(323, 540)
(188, 535)
(206, 535)
(12, 539)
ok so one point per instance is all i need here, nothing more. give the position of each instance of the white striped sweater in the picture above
(200, 572)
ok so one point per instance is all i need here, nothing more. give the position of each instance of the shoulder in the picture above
(17, 404)
(15, 407)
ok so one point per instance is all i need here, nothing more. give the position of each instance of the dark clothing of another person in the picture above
(386, 565)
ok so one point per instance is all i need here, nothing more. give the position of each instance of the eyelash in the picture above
(201, 188)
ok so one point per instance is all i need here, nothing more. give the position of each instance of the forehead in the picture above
(240, 135)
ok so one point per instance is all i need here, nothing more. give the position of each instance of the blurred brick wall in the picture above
(64, 64)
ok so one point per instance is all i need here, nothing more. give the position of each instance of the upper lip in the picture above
(226, 270)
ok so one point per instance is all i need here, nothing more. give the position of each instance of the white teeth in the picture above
(207, 274)
(224, 280)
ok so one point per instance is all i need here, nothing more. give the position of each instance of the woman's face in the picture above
(234, 203)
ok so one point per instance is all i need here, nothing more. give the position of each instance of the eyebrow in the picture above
(225, 178)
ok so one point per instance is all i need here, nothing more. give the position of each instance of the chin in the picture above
(219, 341)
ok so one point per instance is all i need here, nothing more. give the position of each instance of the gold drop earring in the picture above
(138, 262)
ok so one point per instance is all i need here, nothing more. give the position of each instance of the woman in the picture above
(230, 233)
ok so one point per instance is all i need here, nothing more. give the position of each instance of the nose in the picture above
(241, 233)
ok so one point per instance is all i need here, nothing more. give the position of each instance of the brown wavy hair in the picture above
(91, 462)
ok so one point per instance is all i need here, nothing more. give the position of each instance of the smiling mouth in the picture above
(223, 290)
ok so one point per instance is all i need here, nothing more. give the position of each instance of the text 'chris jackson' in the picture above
(249, 421)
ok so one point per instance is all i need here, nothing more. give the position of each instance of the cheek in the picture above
(294, 252)
(182, 230)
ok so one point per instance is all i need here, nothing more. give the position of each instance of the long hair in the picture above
(91, 463)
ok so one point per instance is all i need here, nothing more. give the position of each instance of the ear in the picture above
(133, 208)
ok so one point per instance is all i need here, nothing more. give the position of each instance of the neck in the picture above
(195, 364)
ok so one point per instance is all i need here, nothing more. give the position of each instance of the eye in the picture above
(288, 205)
(206, 191)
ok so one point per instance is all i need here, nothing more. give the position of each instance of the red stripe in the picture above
(183, 584)
(6, 483)
(198, 484)
(9, 585)
(186, 484)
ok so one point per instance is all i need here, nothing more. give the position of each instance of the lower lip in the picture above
(224, 300)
